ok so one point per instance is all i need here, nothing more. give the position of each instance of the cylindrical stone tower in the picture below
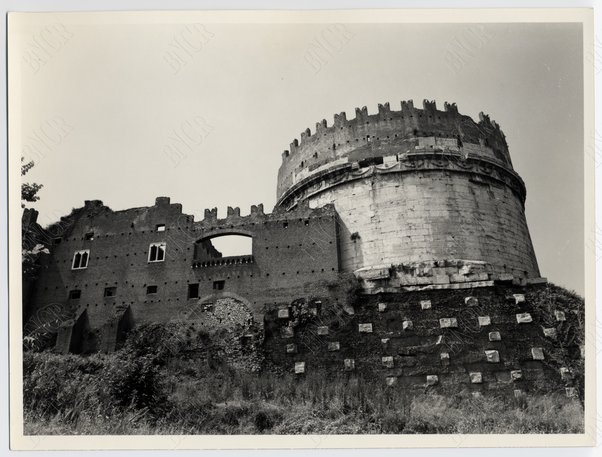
(414, 189)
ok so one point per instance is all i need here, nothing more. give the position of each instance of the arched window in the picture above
(80, 259)
(156, 252)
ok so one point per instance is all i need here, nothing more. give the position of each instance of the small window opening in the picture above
(193, 290)
(219, 285)
(89, 236)
(151, 290)
(57, 240)
(306, 221)
(285, 225)
(110, 291)
(75, 294)
(160, 228)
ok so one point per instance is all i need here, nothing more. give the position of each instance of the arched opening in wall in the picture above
(224, 249)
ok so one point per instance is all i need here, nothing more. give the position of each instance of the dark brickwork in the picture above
(293, 253)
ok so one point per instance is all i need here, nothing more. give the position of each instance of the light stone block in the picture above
(495, 336)
(407, 325)
(323, 330)
(484, 321)
(492, 356)
(524, 318)
(349, 364)
(476, 377)
(299, 367)
(365, 328)
(448, 322)
(283, 313)
(387, 361)
(537, 354)
(334, 346)
(425, 304)
(432, 379)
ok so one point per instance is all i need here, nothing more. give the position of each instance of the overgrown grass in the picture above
(118, 394)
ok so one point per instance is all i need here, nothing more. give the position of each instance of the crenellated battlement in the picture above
(408, 121)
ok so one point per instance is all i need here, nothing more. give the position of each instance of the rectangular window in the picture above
(110, 291)
(57, 240)
(80, 259)
(89, 236)
(193, 291)
(160, 227)
(151, 290)
(218, 285)
(75, 294)
(156, 252)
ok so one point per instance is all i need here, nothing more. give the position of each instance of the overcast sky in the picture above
(202, 113)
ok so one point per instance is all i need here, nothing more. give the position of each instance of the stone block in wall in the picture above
(565, 374)
(373, 273)
(518, 298)
(484, 321)
(323, 330)
(444, 357)
(387, 361)
(505, 277)
(391, 380)
(477, 395)
(531, 281)
(384, 340)
(432, 379)
(440, 279)
(291, 348)
(299, 367)
(425, 304)
(476, 377)
(492, 356)
(448, 322)
(560, 316)
(571, 392)
(471, 301)
(283, 313)
(458, 278)
(382, 307)
(349, 364)
(287, 332)
(515, 375)
(334, 346)
(495, 336)
(549, 332)
(582, 351)
(537, 354)
(407, 325)
(518, 393)
(365, 328)
(524, 318)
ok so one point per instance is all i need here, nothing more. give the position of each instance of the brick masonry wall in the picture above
(293, 254)
(503, 338)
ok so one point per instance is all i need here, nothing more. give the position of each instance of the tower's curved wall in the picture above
(414, 186)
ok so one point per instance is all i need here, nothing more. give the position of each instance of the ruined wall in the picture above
(497, 339)
(293, 254)
(414, 186)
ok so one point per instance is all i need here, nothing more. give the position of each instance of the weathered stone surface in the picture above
(516, 375)
(323, 330)
(283, 313)
(299, 367)
(524, 318)
(432, 379)
(349, 364)
(560, 316)
(571, 392)
(484, 321)
(407, 325)
(476, 377)
(365, 328)
(387, 361)
(334, 346)
(448, 322)
(492, 356)
(537, 353)
(518, 298)
(495, 336)
(382, 307)
(471, 301)
(425, 304)
(549, 332)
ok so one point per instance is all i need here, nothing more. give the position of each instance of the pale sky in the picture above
(116, 104)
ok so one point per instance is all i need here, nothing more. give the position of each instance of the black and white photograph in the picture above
(301, 224)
